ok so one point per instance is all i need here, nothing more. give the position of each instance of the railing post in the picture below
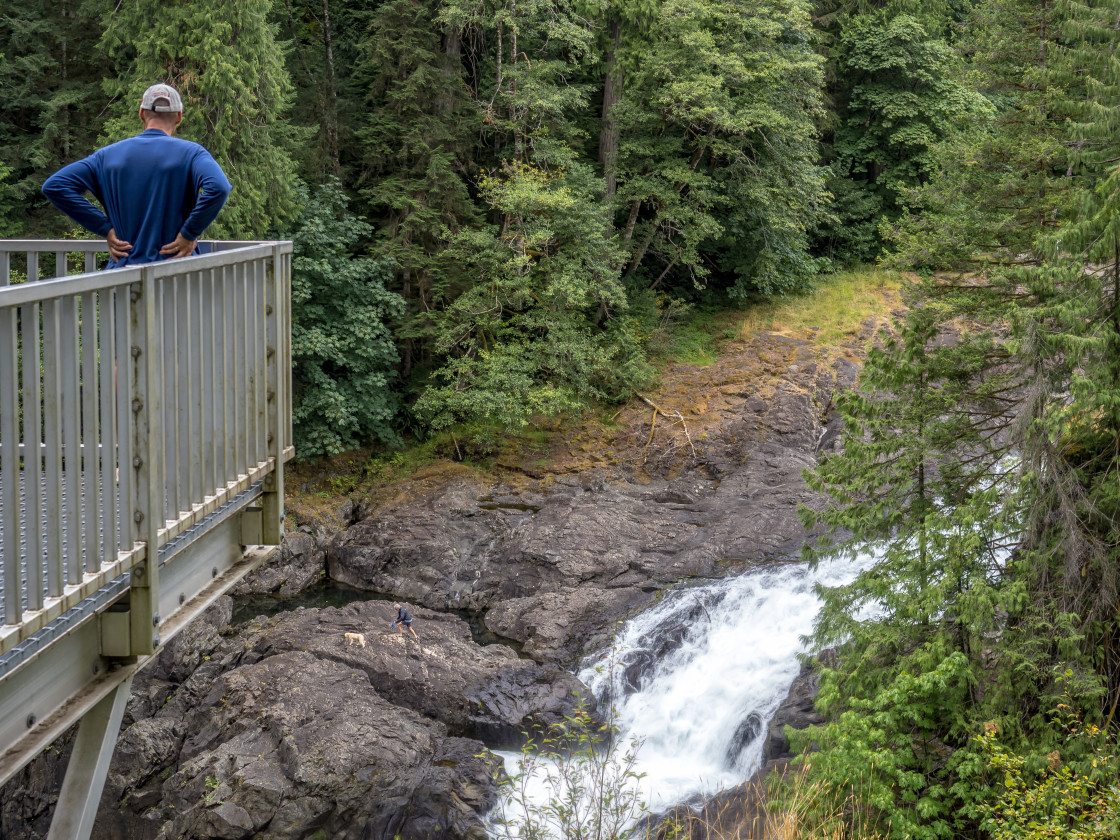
(147, 463)
(9, 466)
(276, 399)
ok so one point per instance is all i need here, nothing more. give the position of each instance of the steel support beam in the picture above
(88, 766)
(55, 687)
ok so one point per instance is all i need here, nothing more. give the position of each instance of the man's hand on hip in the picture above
(179, 248)
(118, 248)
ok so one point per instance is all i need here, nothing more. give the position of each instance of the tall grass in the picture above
(786, 806)
(833, 312)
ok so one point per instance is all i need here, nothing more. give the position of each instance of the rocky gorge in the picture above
(280, 727)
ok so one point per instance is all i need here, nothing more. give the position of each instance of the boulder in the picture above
(554, 562)
(797, 711)
(479, 692)
(295, 744)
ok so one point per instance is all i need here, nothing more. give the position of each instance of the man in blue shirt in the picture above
(159, 192)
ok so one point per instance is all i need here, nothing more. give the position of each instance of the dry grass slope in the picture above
(657, 431)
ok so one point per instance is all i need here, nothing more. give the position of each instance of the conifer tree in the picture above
(920, 485)
(327, 41)
(715, 165)
(50, 99)
(1068, 328)
(1001, 185)
(901, 98)
(229, 68)
(417, 146)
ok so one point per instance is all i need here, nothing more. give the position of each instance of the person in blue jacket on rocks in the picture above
(404, 619)
(159, 192)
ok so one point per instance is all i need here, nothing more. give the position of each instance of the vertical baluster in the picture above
(91, 261)
(196, 387)
(32, 266)
(273, 498)
(52, 416)
(251, 455)
(285, 261)
(243, 407)
(177, 403)
(5, 268)
(184, 391)
(32, 454)
(260, 374)
(208, 381)
(122, 388)
(148, 500)
(107, 369)
(60, 267)
(9, 466)
(122, 412)
(90, 463)
(229, 360)
(168, 424)
(71, 443)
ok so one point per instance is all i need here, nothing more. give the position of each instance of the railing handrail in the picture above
(99, 246)
(21, 294)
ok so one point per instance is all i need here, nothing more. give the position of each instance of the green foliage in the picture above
(1001, 184)
(526, 340)
(50, 102)
(417, 138)
(226, 63)
(575, 780)
(922, 485)
(716, 159)
(343, 353)
(899, 97)
(1074, 795)
(8, 202)
(888, 750)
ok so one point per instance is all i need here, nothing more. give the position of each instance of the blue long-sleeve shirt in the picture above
(153, 186)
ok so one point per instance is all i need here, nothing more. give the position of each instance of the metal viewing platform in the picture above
(145, 418)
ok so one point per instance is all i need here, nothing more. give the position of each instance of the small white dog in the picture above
(354, 639)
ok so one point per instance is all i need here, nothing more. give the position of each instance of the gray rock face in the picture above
(272, 756)
(486, 693)
(297, 565)
(287, 730)
(797, 711)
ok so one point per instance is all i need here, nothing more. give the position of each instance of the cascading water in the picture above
(697, 677)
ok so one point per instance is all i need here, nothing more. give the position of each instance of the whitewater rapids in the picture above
(698, 676)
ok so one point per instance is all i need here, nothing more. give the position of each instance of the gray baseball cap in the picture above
(153, 95)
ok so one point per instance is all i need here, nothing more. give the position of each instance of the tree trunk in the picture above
(452, 50)
(640, 254)
(330, 106)
(406, 345)
(609, 134)
(633, 220)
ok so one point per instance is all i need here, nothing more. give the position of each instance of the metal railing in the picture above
(133, 403)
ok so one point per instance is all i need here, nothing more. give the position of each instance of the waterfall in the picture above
(698, 676)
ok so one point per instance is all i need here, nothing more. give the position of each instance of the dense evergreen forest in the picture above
(496, 202)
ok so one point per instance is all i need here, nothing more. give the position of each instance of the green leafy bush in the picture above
(343, 353)
(1067, 798)
(576, 780)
